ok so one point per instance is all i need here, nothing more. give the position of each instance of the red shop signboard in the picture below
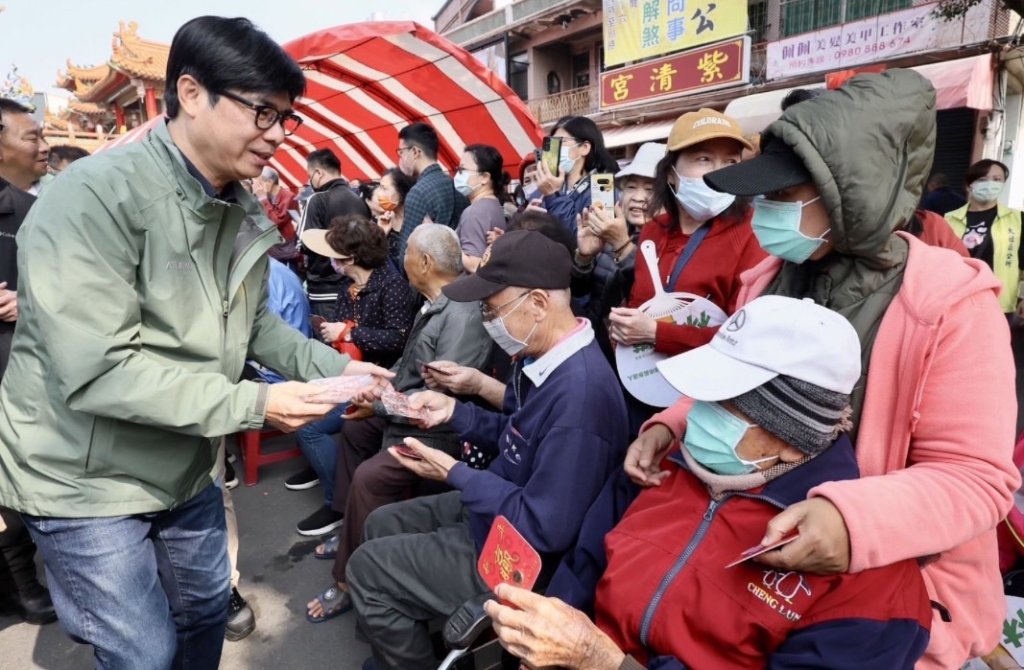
(697, 70)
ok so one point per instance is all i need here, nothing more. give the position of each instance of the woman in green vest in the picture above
(991, 231)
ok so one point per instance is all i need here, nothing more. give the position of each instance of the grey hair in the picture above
(270, 174)
(440, 243)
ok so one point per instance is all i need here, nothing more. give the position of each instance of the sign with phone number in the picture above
(697, 70)
(869, 40)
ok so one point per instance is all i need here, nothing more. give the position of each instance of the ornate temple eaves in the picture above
(131, 58)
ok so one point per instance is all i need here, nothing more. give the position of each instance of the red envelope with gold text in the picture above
(508, 558)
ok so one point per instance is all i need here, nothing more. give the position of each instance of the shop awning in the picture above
(366, 81)
(965, 82)
(756, 111)
(651, 131)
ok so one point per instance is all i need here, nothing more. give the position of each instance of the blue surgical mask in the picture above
(987, 191)
(462, 185)
(712, 435)
(565, 164)
(699, 200)
(777, 227)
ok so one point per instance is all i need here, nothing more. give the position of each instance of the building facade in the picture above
(633, 66)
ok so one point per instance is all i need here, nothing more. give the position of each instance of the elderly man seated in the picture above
(561, 433)
(772, 395)
(367, 477)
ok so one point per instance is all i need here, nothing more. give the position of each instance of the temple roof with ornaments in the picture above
(132, 58)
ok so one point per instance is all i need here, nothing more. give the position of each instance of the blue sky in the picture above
(40, 35)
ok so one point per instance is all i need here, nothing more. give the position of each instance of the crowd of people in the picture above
(851, 413)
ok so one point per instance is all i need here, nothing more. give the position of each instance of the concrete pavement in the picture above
(279, 575)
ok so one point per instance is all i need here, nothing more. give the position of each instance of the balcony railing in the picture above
(577, 102)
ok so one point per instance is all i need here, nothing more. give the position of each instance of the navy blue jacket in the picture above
(556, 446)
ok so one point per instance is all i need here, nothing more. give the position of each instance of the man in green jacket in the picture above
(142, 291)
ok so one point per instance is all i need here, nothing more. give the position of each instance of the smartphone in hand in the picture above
(552, 153)
(602, 191)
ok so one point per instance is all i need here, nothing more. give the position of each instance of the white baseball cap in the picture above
(772, 335)
(644, 162)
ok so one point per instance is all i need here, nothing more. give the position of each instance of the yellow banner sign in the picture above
(639, 29)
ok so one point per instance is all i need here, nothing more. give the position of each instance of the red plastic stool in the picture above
(250, 442)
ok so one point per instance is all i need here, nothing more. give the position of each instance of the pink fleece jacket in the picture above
(935, 443)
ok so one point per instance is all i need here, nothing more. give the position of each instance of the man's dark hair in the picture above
(325, 159)
(356, 236)
(229, 54)
(582, 129)
(546, 224)
(8, 106)
(980, 169)
(798, 95)
(66, 152)
(938, 180)
(421, 135)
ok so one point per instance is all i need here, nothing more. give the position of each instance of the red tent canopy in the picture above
(365, 81)
(368, 80)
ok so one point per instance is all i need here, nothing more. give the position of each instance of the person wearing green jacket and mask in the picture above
(142, 291)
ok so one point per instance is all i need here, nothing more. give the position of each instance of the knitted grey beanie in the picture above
(800, 414)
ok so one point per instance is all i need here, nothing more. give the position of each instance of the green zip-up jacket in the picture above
(140, 297)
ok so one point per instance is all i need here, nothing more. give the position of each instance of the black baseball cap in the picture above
(520, 258)
(777, 167)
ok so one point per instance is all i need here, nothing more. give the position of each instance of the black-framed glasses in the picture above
(267, 116)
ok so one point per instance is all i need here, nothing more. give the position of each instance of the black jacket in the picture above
(14, 205)
(332, 199)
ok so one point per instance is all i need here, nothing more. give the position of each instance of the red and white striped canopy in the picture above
(366, 81)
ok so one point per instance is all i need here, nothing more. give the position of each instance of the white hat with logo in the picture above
(645, 161)
(770, 336)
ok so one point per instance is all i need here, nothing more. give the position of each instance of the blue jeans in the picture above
(319, 444)
(147, 590)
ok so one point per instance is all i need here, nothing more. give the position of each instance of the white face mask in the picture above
(987, 190)
(499, 332)
(699, 200)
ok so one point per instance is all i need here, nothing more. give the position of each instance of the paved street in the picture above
(279, 575)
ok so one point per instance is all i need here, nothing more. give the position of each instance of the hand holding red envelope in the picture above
(338, 390)
(397, 404)
(508, 558)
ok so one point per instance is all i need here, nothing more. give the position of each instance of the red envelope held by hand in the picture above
(507, 558)
(397, 404)
(759, 549)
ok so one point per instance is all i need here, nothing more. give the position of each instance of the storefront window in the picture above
(802, 16)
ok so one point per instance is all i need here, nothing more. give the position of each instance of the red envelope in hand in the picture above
(508, 558)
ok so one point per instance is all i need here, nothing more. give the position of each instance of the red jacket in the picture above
(714, 272)
(667, 599)
(936, 231)
(935, 442)
(277, 211)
